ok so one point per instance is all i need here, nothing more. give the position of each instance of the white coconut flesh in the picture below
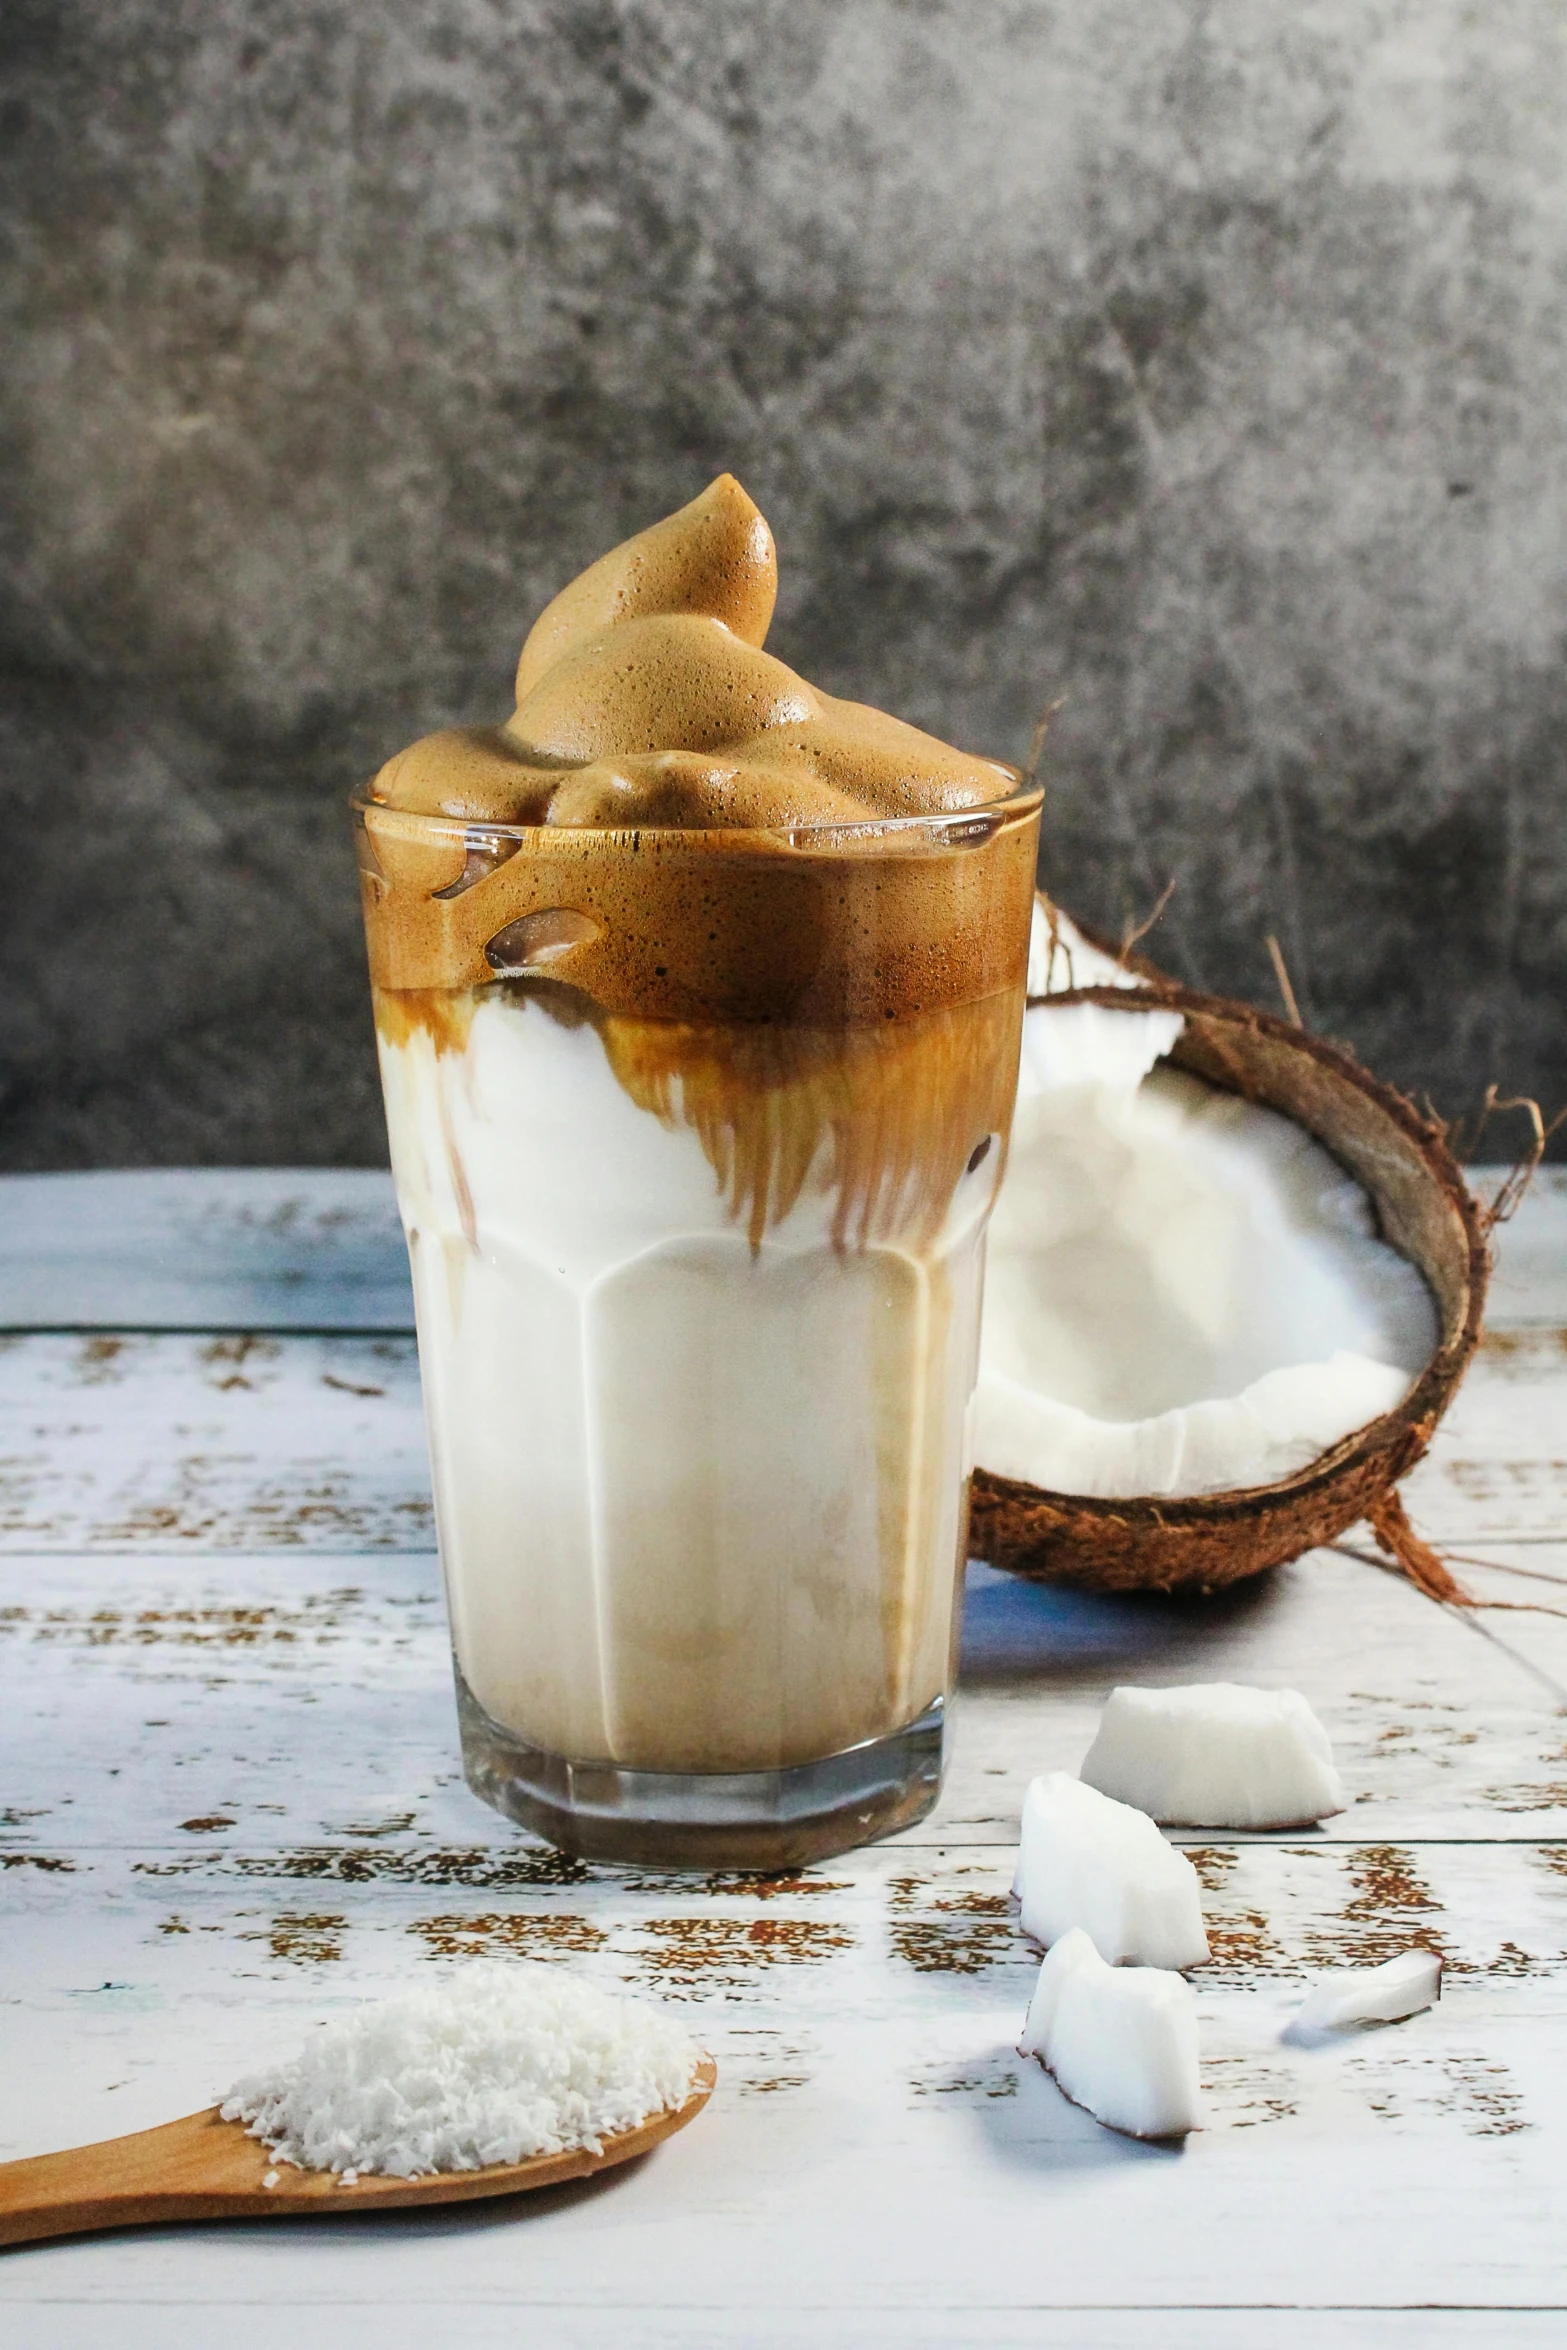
(1121, 2041)
(1185, 1293)
(1384, 1994)
(1215, 1754)
(1085, 1860)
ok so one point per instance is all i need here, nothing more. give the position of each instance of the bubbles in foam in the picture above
(540, 938)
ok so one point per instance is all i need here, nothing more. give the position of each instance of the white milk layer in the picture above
(699, 1507)
(1186, 1293)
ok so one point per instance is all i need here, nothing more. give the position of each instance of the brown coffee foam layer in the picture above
(886, 1117)
(744, 881)
(717, 927)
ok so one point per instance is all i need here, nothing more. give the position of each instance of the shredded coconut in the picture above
(495, 2064)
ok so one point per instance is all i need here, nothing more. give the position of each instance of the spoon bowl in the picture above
(204, 2168)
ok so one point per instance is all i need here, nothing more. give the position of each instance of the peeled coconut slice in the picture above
(1232, 1284)
(1120, 2040)
(1085, 1861)
(1215, 1755)
(1372, 1994)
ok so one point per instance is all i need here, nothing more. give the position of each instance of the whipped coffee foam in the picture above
(730, 844)
(644, 698)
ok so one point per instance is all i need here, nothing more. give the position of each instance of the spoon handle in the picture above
(200, 2167)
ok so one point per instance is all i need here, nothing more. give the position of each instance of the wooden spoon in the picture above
(206, 2168)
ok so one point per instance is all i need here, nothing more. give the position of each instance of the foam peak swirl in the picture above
(645, 699)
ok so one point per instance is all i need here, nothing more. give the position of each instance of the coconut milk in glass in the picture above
(698, 997)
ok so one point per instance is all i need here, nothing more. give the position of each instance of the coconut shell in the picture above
(1424, 1209)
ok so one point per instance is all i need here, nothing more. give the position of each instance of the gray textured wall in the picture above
(1202, 363)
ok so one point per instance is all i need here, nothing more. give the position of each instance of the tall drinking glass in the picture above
(695, 1136)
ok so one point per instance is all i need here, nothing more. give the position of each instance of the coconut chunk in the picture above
(1216, 1755)
(1086, 1861)
(1372, 1994)
(1121, 2041)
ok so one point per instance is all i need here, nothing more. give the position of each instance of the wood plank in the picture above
(1497, 1467)
(1440, 1728)
(304, 1699)
(166, 1442)
(1522, 1591)
(319, 1248)
(203, 1248)
(934, 1923)
(1530, 1279)
(150, 1445)
(234, 1441)
(409, 2322)
(876, 2145)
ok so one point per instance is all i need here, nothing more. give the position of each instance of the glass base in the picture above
(707, 1819)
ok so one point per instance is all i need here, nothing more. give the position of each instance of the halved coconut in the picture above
(1364, 1234)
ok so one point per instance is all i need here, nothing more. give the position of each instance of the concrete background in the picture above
(1201, 363)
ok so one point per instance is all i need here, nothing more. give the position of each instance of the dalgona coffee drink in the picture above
(698, 995)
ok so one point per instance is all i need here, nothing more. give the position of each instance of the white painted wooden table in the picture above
(230, 1803)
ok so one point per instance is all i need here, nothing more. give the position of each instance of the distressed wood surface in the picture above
(154, 1441)
(205, 1248)
(319, 1248)
(231, 1803)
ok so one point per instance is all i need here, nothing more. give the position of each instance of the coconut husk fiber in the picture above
(1423, 1208)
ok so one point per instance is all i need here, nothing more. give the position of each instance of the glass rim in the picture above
(1024, 797)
